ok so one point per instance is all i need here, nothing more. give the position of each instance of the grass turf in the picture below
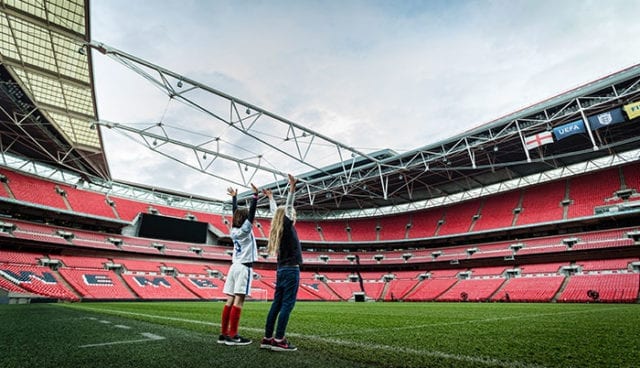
(327, 334)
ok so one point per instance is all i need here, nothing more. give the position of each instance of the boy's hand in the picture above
(232, 192)
(292, 180)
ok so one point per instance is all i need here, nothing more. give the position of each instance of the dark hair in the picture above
(239, 216)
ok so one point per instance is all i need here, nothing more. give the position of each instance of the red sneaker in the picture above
(282, 345)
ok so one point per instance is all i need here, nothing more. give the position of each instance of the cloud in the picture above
(370, 74)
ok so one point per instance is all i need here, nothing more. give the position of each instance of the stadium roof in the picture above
(46, 90)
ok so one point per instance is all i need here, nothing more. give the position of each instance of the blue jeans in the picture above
(287, 282)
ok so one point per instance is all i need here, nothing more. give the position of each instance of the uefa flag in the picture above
(538, 140)
(568, 130)
(632, 109)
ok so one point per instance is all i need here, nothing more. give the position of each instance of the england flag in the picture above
(538, 140)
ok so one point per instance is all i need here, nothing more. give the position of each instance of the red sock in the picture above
(234, 320)
(224, 327)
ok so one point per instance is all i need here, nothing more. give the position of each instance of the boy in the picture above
(238, 283)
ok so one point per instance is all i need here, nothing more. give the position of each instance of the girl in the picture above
(283, 241)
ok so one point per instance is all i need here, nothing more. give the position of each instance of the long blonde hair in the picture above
(275, 233)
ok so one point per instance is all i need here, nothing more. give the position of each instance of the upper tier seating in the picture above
(128, 209)
(87, 201)
(542, 203)
(214, 219)
(393, 227)
(307, 231)
(458, 218)
(425, 223)
(632, 177)
(591, 190)
(497, 211)
(334, 231)
(363, 229)
(3, 190)
(537, 204)
(34, 190)
(262, 228)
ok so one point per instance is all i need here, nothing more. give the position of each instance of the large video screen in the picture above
(171, 228)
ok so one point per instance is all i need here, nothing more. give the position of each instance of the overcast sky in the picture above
(370, 74)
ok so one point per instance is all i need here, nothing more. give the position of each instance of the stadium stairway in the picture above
(566, 199)
(333, 292)
(498, 290)
(383, 293)
(68, 286)
(126, 285)
(561, 289)
(411, 290)
(638, 298)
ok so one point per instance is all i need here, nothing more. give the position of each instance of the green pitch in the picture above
(183, 334)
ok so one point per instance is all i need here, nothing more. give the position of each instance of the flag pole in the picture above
(524, 145)
(587, 125)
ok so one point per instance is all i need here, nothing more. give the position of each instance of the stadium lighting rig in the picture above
(297, 143)
(469, 162)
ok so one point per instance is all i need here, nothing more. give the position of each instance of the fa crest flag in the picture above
(632, 109)
(606, 118)
(538, 140)
(567, 130)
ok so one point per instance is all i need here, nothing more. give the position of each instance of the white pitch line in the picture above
(149, 337)
(394, 349)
